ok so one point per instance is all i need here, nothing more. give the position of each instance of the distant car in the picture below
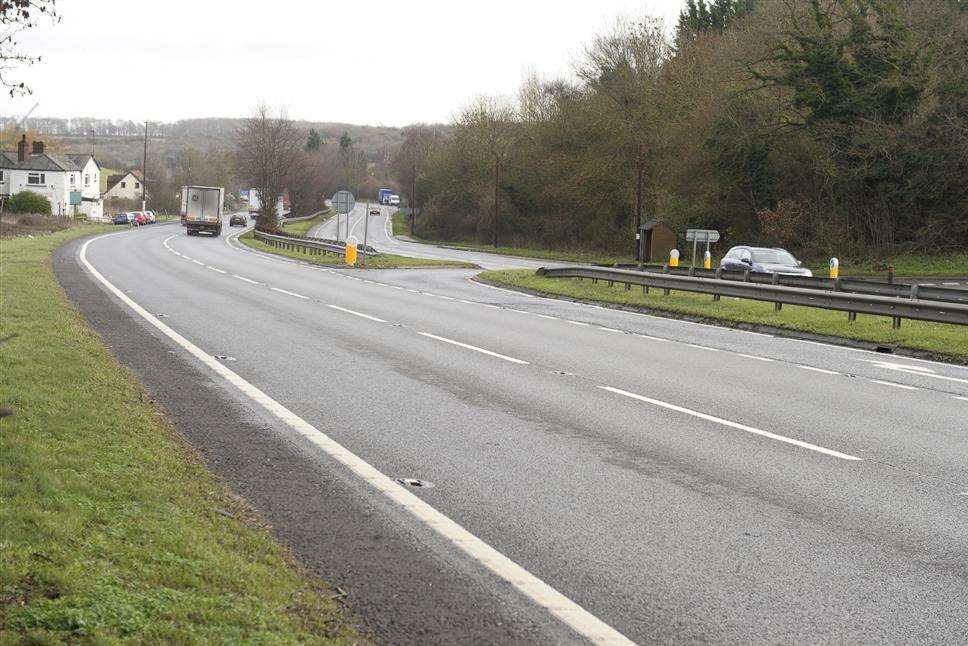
(764, 260)
(375, 211)
(140, 218)
(237, 219)
(151, 217)
(121, 218)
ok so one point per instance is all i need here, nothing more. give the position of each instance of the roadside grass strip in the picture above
(112, 529)
(381, 261)
(945, 340)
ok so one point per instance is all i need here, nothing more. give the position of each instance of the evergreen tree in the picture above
(313, 141)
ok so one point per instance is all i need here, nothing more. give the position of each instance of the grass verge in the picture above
(302, 227)
(382, 261)
(945, 264)
(112, 530)
(940, 339)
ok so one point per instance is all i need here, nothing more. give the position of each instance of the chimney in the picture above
(38, 148)
(22, 149)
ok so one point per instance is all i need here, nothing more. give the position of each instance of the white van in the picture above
(394, 200)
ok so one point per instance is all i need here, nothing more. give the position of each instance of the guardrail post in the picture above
(719, 276)
(746, 276)
(890, 274)
(777, 306)
(665, 269)
(851, 317)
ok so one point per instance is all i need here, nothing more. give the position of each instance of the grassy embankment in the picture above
(382, 261)
(112, 530)
(302, 227)
(943, 264)
(401, 227)
(938, 338)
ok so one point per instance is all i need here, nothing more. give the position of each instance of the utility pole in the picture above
(638, 204)
(413, 197)
(144, 171)
(497, 175)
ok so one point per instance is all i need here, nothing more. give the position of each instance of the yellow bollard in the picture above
(834, 268)
(351, 250)
(674, 258)
(707, 260)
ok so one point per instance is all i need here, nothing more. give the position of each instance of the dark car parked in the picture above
(763, 260)
(237, 219)
(121, 218)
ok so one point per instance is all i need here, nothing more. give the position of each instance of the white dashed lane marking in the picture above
(731, 424)
(283, 291)
(474, 348)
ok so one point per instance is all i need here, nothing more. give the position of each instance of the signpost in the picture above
(344, 203)
(695, 236)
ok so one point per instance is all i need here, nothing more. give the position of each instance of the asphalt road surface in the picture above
(668, 481)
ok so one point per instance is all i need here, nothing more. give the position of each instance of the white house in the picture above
(126, 186)
(71, 182)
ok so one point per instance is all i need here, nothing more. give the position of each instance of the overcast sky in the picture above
(389, 62)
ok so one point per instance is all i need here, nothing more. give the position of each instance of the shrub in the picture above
(28, 202)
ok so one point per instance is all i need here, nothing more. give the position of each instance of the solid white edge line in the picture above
(248, 280)
(355, 313)
(895, 385)
(533, 588)
(473, 347)
(282, 291)
(736, 425)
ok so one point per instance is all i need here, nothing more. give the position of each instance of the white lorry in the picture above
(201, 209)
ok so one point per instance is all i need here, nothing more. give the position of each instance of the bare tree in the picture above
(487, 126)
(267, 151)
(625, 68)
(419, 143)
(15, 17)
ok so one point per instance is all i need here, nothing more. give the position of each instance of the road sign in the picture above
(702, 235)
(696, 236)
(343, 202)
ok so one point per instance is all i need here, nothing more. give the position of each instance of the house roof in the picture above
(44, 161)
(114, 179)
(80, 159)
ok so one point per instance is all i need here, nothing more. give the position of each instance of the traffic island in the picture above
(935, 340)
(113, 530)
(380, 261)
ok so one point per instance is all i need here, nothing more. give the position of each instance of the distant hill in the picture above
(118, 143)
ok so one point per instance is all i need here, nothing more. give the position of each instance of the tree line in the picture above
(826, 126)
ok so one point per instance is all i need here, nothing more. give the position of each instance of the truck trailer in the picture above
(383, 196)
(202, 209)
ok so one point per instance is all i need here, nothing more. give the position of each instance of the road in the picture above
(377, 231)
(668, 481)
